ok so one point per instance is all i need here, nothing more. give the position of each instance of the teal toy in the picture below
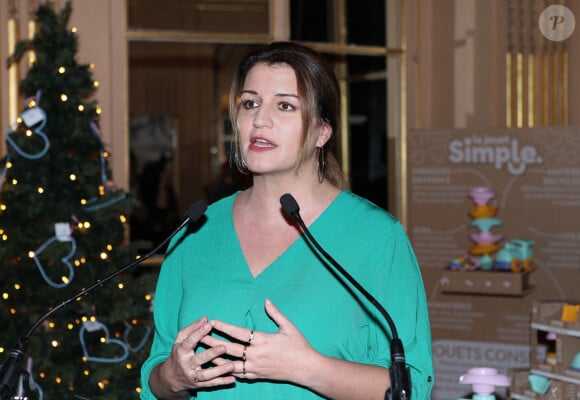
(515, 256)
(485, 224)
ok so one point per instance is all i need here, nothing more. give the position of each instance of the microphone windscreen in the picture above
(196, 210)
(289, 205)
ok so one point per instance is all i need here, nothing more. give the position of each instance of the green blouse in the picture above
(205, 273)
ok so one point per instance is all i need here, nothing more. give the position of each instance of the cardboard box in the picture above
(521, 389)
(555, 343)
(486, 283)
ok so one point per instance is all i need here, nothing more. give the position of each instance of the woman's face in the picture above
(270, 120)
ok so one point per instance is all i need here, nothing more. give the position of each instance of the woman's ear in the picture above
(324, 134)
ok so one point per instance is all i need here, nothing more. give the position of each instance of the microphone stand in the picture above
(400, 377)
(14, 379)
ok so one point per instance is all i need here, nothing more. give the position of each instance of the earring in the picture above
(321, 164)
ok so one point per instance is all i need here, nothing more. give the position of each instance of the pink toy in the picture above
(485, 237)
(484, 380)
(481, 195)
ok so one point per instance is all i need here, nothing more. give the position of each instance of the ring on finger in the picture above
(195, 371)
(251, 337)
(244, 352)
(244, 366)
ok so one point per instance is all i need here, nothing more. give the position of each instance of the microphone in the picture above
(13, 377)
(400, 377)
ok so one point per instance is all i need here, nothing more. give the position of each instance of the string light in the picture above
(40, 190)
(73, 178)
(104, 256)
(3, 207)
(63, 97)
(28, 133)
(129, 366)
(73, 29)
(31, 254)
(122, 218)
(61, 70)
(54, 343)
(5, 296)
(98, 110)
(15, 181)
(121, 285)
(81, 108)
(96, 84)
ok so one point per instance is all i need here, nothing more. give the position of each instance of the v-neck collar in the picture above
(312, 227)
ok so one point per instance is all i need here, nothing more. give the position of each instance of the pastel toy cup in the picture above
(576, 362)
(539, 384)
(481, 195)
(485, 237)
(484, 380)
(485, 224)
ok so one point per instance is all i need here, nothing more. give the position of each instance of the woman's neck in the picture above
(263, 197)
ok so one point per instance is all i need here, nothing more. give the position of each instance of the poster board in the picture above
(535, 175)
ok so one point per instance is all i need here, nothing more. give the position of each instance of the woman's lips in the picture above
(261, 144)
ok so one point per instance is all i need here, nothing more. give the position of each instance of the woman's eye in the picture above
(285, 106)
(248, 104)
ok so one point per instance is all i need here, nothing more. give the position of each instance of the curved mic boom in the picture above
(11, 370)
(400, 379)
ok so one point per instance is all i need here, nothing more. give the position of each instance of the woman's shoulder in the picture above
(356, 217)
(357, 206)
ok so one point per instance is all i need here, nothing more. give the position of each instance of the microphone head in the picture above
(290, 205)
(196, 211)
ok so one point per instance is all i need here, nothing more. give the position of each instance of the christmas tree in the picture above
(63, 226)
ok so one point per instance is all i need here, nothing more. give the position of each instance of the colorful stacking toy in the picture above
(483, 217)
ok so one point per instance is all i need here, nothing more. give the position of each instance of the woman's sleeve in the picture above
(165, 313)
(402, 294)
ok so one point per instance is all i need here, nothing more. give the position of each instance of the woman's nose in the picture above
(262, 118)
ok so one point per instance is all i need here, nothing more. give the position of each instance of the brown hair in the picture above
(317, 88)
